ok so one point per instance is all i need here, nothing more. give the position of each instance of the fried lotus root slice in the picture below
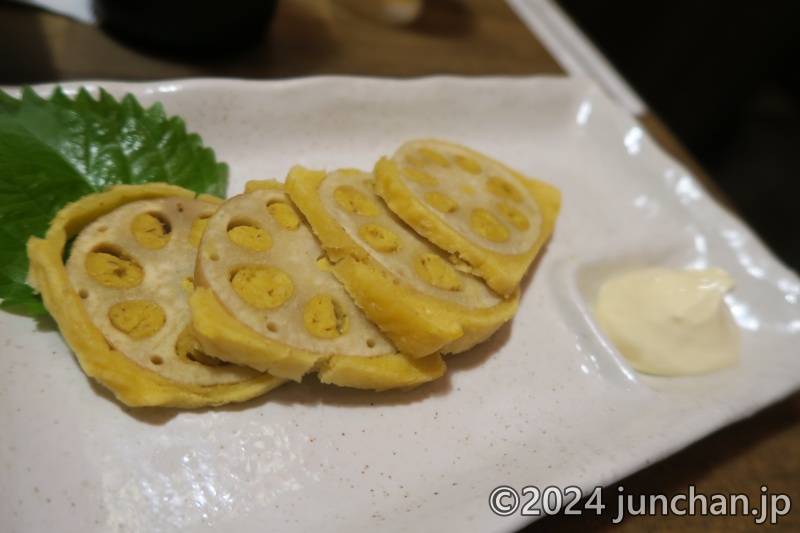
(492, 219)
(404, 283)
(121, 301)
(265, 298)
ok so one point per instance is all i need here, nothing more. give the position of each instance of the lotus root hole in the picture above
(284, 214)
(138, 319)
(113, 268)
(514, 217)
(441, 202)
(434, 156)
(437, 272)
(248, 234)
(420, 177)
(380, 238)
(487, 226)
(152, 230)
(325, 318)
(261, 286)
(503, 189)
(355, 201)
(470, 165)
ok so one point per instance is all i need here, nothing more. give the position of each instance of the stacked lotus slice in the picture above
(364, 279)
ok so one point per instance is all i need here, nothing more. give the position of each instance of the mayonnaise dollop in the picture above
(670, 322)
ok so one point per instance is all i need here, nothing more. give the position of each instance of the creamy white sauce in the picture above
(670, 322)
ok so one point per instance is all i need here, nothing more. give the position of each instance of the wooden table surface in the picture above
(467, 37)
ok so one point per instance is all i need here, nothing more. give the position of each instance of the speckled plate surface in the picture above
(545, 402)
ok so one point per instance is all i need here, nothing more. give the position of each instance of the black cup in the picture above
(187, 26)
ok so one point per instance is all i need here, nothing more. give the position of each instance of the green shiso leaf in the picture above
(55, 150)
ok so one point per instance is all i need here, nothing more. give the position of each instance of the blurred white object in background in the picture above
(77, 9)
(394, 12)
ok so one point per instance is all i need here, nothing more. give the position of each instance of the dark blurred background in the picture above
(725, 77)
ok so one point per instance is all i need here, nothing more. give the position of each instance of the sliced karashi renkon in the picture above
(404, 283)
(121, 300)
(265, 297)
(492, 219)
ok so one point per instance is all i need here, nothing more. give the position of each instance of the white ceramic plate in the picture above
(545, 402)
